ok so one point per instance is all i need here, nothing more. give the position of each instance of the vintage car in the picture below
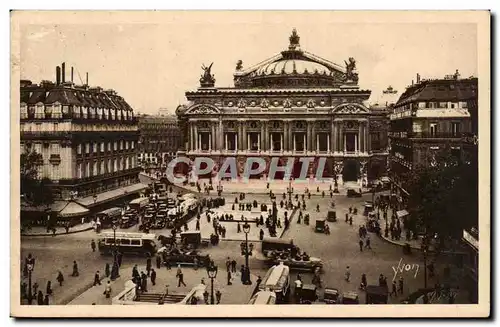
(352, 193)
(376, 294)
(128, 220)
(331, 295)
(181, 257)
(350, 298)
(308, 293)
(320, 226)
(294, 263)
(332, 216)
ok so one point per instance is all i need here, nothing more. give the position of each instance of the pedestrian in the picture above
(363, 282)
(229, 278)
(394, 291)
(298, 288)
(107, 290)
(228, 264)
(317, 207)
(92, 245)
(75, 270)
(242, 273)
(35, 288)
(49, 288)
(233, 266)
(46, 300)
(135, 272)
(107, 270)
(367, 245)
(119, 257)
(218, 296)
(238, 228)
(148, 265)
(40, 298)
(153, 276)
(347, 274)
(180, 276)
(158, 262)
(60, 278)
(350, 220)
(360, 245)
(401, 285)
(144, 282)
(197, 224)
(97, 278)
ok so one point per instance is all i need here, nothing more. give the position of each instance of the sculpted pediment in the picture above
(350, 108)
(203, 109)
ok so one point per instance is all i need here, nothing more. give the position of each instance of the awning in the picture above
(90, 201)
(72, 209)
(401, 213)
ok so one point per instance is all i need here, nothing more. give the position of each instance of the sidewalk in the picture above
(42, 231)
(231, 294)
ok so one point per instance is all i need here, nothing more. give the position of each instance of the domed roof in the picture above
(292, 68)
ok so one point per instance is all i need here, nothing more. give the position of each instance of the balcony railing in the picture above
(429, 135)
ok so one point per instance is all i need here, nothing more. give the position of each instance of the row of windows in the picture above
(101, 146)
(41, 111)
(105, 166)
(433, 105)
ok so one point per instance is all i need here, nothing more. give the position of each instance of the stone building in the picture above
(158, 141)
(295, 104)
(430, 115)
(87, 137)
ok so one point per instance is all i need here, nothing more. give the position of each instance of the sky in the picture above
(153, 62)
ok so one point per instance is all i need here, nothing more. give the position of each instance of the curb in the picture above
(64, 233)
(66, 300)
(419, 249)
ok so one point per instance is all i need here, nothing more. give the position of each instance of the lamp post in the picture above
(29, 266)
(246, 230)
(114, 270)
(290, 191)
(212, 274)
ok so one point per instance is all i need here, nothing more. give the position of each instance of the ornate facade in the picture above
(294, 104)
(87, 137)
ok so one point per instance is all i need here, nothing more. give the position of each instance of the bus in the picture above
(277, 280)
(109, 216)
(127, 243)
(263, 297)
(139, 203)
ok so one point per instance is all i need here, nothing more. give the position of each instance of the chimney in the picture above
(71, 74)
(63, 76)
(418, 78)
(58, 75)
(87, 79)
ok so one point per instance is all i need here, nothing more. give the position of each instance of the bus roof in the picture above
(143, 236)
(276, 277)
(278, 240)
(110, 210)
(138, 200)
(262, 297)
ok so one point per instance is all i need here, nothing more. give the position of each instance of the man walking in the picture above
(401, 284)
(148, 265)
(92, 245)
(75, 270)
(180, 276)
(233, 266)
(229, 278)
(394, 290)
(360, 245)
(153, 276)
(367, 245)
(97, 278)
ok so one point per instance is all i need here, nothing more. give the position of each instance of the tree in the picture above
(37, 191)
(443, 196)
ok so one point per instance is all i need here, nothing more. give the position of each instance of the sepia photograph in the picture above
(330, 163)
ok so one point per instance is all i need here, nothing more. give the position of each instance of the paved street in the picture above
(337, 250)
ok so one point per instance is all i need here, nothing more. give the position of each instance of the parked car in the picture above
(352, 193)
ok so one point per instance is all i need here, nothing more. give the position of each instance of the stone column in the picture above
(213, 143)
(245, 136)
(225, 142)
(262, 136)
(258, 142)
(271, 144)
(294, 143)
(281, 142)
(196, 147)
(314, 137)
(221, 135)
(335, 138)
(308, 145)
(240, 136)
(332, 135)
(284, 146)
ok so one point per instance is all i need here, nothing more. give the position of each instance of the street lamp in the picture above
(29, 266)
(246, 230)
(212, 274)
